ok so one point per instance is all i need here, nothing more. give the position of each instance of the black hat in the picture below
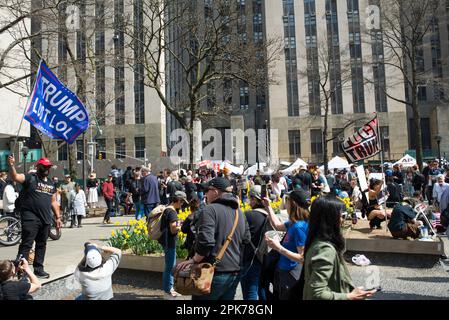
(301, 198)
(219, 183)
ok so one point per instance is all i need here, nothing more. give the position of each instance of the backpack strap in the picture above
(228, 239)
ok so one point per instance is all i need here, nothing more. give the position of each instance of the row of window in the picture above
(316, 141)
(101, 153)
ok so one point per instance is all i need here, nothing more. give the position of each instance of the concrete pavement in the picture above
(63, 255)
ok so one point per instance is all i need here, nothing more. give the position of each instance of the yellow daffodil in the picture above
(127, 236)
(117, 223)
(124, 232)
(113, 233)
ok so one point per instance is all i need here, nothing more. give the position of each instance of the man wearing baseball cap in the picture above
(37, 203)
(214, 226)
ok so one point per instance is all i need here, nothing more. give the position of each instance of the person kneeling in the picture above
(403, 223)
(94, 273)
(17, 290)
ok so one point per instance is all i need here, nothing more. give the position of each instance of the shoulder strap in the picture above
(228, 239)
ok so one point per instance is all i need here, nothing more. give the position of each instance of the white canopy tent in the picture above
(407, 161)
(264, 170)
(233, 169)
(296, 165)
(338, 163)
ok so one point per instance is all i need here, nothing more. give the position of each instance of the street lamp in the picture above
(438, 139)
(25, 153)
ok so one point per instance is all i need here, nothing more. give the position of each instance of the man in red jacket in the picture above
(108, 194)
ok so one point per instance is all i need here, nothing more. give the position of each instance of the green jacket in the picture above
(326, 275)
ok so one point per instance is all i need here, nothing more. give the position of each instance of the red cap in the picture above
(45, 162)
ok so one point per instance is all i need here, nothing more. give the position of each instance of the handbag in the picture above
(196, 279)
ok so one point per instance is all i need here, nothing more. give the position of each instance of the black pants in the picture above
(109, 210)
(34, 230)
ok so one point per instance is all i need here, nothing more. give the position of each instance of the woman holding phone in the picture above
(326, 276)
(291, 249)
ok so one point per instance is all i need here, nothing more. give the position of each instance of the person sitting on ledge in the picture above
(403, 223)
(371, 205)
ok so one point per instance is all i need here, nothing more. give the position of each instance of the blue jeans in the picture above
(148, 208)
(167, 277)
(224, 286)
(139, 210)
(250, 278)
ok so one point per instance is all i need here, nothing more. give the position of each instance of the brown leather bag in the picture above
(196, 279)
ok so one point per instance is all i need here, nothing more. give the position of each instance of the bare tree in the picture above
(70, 62)
(405, 25)
(329, 76)
(205, 50)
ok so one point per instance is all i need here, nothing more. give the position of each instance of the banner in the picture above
(54, 109)
(363, 144)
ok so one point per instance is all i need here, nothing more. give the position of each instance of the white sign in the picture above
(362, 178)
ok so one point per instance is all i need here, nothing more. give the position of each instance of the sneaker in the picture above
(361, 260)
(41, 274)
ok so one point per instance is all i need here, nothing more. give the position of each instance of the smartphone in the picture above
(377, 289)
(264, 191)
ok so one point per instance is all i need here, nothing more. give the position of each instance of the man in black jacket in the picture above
(213, 227)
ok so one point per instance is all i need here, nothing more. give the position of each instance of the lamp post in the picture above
(25, 153)
(438, 139)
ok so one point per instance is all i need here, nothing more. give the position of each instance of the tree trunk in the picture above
(326, 113)
(71, 149)
(418, 134)
(417, 120)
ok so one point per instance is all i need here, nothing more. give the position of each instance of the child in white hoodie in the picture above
(94, 273)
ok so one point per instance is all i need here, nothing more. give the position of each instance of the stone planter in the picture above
(143, 263)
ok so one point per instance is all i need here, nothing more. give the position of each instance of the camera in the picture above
(18, 261)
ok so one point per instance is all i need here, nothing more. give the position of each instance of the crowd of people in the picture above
(272, 259)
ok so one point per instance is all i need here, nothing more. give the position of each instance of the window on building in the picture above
(139, 145)
(244, 96)
(385, 136)
(120, 150)
(100, 149)
(62, 151)
(294, 143)
(119, 53)
(139, 71)
(425, 134)
(79, 149)
(422, 93)
(338, 135)
(316, 140)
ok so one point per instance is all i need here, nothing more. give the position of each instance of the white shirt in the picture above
(282, 184)
(438, 190)
(80, 203)
(9, 197)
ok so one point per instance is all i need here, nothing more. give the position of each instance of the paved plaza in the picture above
(401, 276)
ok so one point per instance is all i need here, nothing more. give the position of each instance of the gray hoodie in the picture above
(214, 225)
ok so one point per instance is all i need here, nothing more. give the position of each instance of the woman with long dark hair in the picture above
(373, 209)
(326, 276)
(289, 266)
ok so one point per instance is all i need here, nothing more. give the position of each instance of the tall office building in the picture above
(339, 29)
(294, 105)
(433, 90)
(130, 115)
(241, 106)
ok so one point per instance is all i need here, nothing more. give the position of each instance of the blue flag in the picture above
(54, 109)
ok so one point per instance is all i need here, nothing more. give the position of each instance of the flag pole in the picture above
(384, 208)
(23, 115)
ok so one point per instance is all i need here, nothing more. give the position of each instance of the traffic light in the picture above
(100, 156)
